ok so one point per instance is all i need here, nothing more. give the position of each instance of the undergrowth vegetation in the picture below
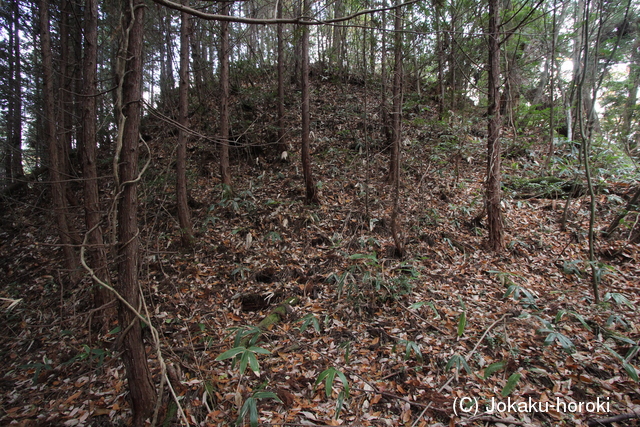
(363, 337)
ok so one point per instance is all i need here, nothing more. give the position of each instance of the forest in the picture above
(319, 213)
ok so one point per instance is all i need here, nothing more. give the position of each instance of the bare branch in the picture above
(301, 20)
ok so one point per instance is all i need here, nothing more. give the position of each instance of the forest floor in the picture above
(437, 337)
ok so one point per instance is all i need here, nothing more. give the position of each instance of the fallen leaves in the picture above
(410, 336)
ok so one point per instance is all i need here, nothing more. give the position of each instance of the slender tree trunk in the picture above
(10, 113)
(440, 56)
(64, 98)
(311, 190)
(225, 174)
(198, 63)
(632, 205)
(58, 190)
(97, 253)
(184, 216)
(167, 81)
(336, 57)
(494, 212)
(552, 79)
(633, 83)
(297, 47)
(394, 160)
(16, 113)
(384, 110)
(281, 128)
(141, 387)
(453, 81)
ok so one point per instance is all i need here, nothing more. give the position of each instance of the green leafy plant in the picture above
(419, 304)
(458, 362)
(274, 236)
(573, 267)
(616, 318)
(462, 323)
(629, 368)
(493, 368)
(250, 407)
(522, 294)
(236, 201)
(248, 335)
(618, 298)
(553, 336)
(246, 356)
(328, 376)
(573, 314)
(93, 354)
(346, 345)
(308, 320)
(371, 259)
(38, 367)
(511, 384)
(600, 270)
(505, 278)
(240, 270)
(341, 280)
(462, 320)
(411, 346)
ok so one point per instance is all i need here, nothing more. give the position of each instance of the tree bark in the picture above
(311, 191)
(184, 216)
(552, 80)
(141, 387)
(58, 188)
(440, 57)
(632, 205)
(281, 130)
(394, 160)
(14, 119)
(225, 174)
(97, 253)
(337, 51)
(198, 62)
(494, 212)
(633, 82)
(167, 81)
(384, 110)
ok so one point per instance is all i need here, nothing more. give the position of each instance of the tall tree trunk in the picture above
(64, 95)
(633, 82)
(281, 129)
(311, 191)
(167, 81)
(141, 387)
(15, 135)
(384, 110)
(184, 216)
(394, 160)
(337, 57)
(440, 57)
(225, 174)
(95, 239)
(585, 128)
(552, 79)
(198, 62)
(10, 112)
(452, 43)
(297, 47)
(494, 212)
(58, 188)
